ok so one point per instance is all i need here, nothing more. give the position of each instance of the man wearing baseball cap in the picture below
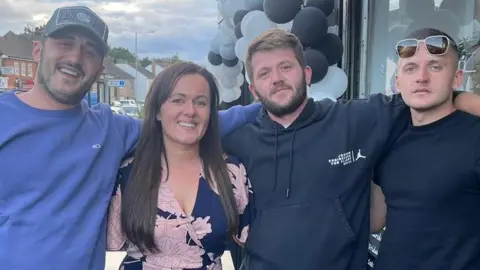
(58, 157)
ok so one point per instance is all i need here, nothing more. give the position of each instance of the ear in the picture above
(397, 84)
(251, 87)
(100, 71)
(37, 50)
(308, 75)
(458, 79)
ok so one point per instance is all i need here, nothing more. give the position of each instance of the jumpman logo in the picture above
(359, 155)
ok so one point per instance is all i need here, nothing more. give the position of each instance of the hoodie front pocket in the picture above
(303, 236)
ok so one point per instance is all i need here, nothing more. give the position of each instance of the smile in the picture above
(69, 71)
(187, 125)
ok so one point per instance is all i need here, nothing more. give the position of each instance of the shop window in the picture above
(391, 20)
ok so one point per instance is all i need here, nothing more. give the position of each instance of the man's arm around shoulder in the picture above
(236, 116)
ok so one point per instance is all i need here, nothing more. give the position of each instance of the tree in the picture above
(144, 62)
(34, 32)
(170, 60)
(120, 53)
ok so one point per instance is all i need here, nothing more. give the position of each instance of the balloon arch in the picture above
(244, 20)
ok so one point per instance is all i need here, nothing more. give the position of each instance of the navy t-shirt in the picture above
(431, 183)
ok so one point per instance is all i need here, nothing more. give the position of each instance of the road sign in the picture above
(7, 71)
(116, 83)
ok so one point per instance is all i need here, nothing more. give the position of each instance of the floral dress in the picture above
(195, 241)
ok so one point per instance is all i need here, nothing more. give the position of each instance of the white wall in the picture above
(142, 83)
(158, 69)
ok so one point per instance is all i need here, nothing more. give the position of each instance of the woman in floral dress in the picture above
(180, 201)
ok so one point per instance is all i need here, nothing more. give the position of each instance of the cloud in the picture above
(177, 26)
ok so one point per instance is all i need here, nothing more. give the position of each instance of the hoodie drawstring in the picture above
(276, 160)
(290, 164)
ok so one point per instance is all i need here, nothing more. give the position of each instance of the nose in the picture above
(189, 109)
(423, 75)
(75, 54)
(277, 77)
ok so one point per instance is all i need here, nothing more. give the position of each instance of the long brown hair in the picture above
(140, 199)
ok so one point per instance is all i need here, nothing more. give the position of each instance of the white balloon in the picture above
(334, 84)
(228, 82)
(256, 24)
(231, 72)
(215, 43)
(321, 95)
(227, 51)
(286, 26)
(230, 94)
(241, 48)
(221, 9)
(240, 80)
(227, 35)
(232, 6)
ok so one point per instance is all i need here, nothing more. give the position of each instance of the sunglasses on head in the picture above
(436, 45)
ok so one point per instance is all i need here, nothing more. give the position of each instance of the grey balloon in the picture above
(227, 51)
(215, 43)
(254, 4)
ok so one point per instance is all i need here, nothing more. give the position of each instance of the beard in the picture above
(61, 96)
(299, 96)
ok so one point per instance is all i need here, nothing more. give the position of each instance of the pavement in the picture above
(114, 259)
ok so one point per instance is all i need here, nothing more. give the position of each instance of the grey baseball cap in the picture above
(78, 16)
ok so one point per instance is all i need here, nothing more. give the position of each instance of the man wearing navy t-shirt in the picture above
(431, 175)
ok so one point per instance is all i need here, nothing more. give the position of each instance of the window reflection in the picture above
(392, 20)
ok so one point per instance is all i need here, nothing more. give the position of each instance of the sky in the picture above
(164, 27)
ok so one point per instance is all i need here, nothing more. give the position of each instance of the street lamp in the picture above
(136, 54)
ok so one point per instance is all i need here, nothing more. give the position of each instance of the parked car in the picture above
(131, 110)
(117, 110)
(126, 102)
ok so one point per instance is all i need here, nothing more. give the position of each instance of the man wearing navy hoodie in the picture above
(310, 163)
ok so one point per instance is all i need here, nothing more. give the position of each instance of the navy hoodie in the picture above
(311, 182)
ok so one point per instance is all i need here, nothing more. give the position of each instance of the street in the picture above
(114, 258)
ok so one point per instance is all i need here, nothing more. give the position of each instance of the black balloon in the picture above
(310, 26)
(253, 4)
(332, 48)
(326, 6)
(230, 63)
(318, 63)
(238, 17)
(281, 11)
(214, 59)
(238, 31)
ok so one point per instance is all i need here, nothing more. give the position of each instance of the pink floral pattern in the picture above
(180, 238)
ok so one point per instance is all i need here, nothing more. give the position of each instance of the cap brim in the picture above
(97, 39)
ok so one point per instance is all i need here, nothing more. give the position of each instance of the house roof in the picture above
(16, 46)
(141, 70)
(162, 63)
(113, 70)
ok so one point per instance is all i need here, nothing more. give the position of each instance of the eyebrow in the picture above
(183, 95)
(281, 63)
(89, 42)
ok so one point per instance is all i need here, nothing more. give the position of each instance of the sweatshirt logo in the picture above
(347, 158)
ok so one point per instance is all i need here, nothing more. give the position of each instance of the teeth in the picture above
(69, 72)
(188, 125)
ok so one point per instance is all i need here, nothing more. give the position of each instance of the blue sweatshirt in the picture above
(57, 171)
